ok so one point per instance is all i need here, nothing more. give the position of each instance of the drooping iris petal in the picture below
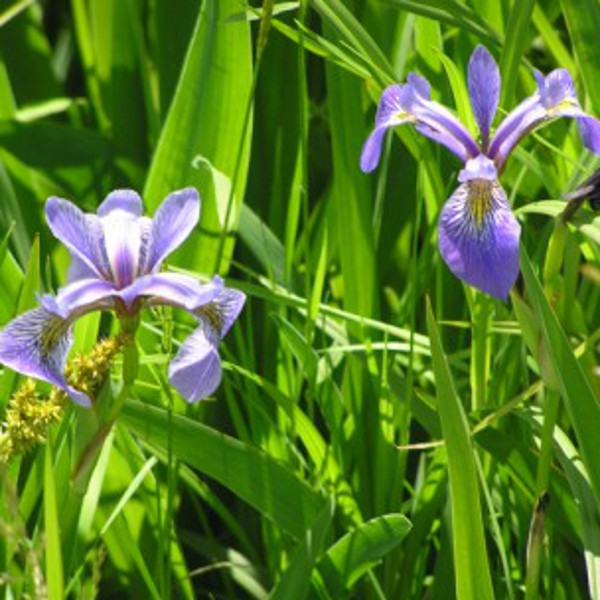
(81, 233)
(390, 112)
(479, 237)
(484, 90)
(125, 200)
(196, 370)
(173, 222)
(173, 289)
(36, 344)
(589, 129)
(219, 314)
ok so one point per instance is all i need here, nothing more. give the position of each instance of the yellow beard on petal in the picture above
(402, 115)
(52, 334)
(480, 199)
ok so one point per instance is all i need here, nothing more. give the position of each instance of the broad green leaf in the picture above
(255, 477)
(207, 118)
(355, 553)
(471, 565)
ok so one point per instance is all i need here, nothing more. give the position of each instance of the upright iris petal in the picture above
(555, 97)
(116, 256)
(479, 235)
(484, 89)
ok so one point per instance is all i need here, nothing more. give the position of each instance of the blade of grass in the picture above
(54, 566)
(471, 565)
(205, 118)
(265, 484)
(583, 23)
(578, 396)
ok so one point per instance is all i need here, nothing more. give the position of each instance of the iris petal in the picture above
(556, 89)
(220, 314)
(173, 222)
(410, 103)
(36, 344)
(81, 297)
(484, 89)
(390, 112)
(479, 237)
(123, 241)
(125, 200)
(81, 233)
(172, 289)
(196, 370)
(555, 98)
(589, 129)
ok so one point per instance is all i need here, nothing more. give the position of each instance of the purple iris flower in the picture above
(478, 233)
(116, 257)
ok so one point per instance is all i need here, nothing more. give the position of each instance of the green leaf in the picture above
(471, 565)
(583, 23)
(355, 553)
(579, 398)
(54, 567)
(295, 582)
(517, 30)
(268, 486)
(207, 118)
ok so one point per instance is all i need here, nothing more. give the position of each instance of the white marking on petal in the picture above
(122, 240)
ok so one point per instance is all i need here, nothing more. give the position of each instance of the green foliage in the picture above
(365, 442)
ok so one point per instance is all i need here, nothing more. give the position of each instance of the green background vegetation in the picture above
(295, 481)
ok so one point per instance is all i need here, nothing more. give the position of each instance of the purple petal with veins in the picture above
(484, 90)
(479, 237)
(122, 241)
(172, 224)
(172, 289)
(220, 313)
(390, 112)
(196, 370)
(555, 98)
(589, 129)
(36, 344)
(81, 233)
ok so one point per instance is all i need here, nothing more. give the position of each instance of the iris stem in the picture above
(482, 312)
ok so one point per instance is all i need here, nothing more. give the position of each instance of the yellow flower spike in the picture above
(28, 417)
